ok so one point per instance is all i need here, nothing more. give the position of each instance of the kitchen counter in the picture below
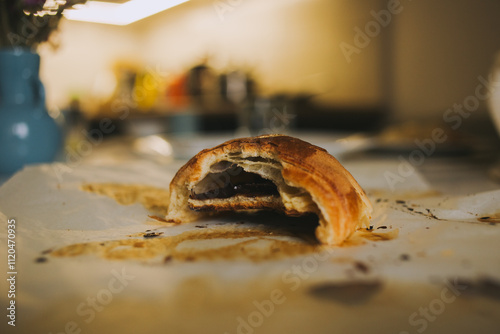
(88, 261)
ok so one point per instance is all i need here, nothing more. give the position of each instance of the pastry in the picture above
(272, 172)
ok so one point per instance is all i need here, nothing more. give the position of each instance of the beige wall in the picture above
(440, 48)
(289, 45)
(84, 57)
(424, 61)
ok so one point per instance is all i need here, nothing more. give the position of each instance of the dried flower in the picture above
(27, 23)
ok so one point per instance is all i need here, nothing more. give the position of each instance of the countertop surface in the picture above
(94, 259)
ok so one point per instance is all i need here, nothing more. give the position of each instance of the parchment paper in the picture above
(440, 275)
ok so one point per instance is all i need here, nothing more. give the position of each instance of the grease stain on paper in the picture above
(282, 237)
(153, 199)
(492, 219)
(225, 242)
(252, 244)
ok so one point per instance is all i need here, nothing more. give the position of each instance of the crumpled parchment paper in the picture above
(440, 275)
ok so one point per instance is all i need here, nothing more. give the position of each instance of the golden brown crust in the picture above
(342, 205)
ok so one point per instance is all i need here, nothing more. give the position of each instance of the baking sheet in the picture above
(440, 274)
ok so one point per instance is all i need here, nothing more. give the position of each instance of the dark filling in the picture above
(232, 182)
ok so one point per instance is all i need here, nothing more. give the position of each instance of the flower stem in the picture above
(4, 42)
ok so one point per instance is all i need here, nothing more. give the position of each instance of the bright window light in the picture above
(119, 14)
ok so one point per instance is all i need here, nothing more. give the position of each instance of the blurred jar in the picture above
(238, 89)
(275, 115)
(494, 107)
(75, 124)
(494, 100)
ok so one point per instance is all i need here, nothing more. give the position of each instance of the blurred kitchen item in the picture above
(183, 124)
(27, 133)
(202, 86)
(141, 125)
(339, 144)
(494, 100)
(122, 100)
(185, 147)
(494, 108)
(146, 89)
(237, 88)
(176, 92)
(274, 115)
(154, 147)
(430, 137)
(75, 125)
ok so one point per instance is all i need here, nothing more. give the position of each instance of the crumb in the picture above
(152, 234)
(361, 267)
(431, 214)
(41, 259)
(404, 257)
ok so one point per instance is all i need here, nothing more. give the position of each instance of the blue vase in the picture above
(27, 133)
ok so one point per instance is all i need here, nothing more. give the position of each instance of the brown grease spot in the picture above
(492, 219)
(152, 198)
(258, 244)
(362, 235)
(255, 244)
(167, 247)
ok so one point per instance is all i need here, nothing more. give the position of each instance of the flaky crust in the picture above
(342, 205)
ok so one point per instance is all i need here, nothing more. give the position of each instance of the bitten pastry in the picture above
(273, 172)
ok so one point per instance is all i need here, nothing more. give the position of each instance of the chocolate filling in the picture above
(231, 182)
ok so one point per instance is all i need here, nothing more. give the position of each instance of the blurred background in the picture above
(427, 58)
(397, 69)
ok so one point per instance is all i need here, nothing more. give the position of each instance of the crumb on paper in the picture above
(492, 219)
(361, 236)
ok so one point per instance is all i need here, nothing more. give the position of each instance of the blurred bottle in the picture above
(202, 87)
(177, 95)
(494, 99)
(146, 90)
(274, 115)
(238, 89)
(75, 125)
